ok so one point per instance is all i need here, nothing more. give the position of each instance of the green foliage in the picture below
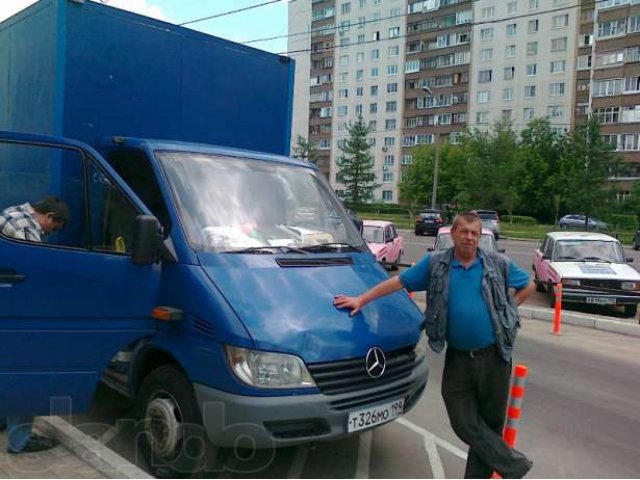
(306, 150)
(622, 221)
(379, 208)
(520, 219)
(355, 165)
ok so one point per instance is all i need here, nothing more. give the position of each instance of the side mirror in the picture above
(629, 260)
(147, 239)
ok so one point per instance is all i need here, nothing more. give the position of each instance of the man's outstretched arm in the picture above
(356, 303)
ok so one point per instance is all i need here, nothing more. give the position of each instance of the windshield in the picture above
(589, 250)
(373, 234)
(230, 204)
(445, 241)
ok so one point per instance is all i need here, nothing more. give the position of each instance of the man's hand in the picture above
(344, 302)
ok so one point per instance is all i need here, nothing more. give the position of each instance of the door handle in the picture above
(10, 276)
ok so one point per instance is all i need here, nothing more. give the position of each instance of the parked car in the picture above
(428, 221)
(384, 242)
(490, 220)
(577, 222)
(487, 241)
(591, 267)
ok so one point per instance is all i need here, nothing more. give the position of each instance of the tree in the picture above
(355, 165)
(306, 150)
(417, 181)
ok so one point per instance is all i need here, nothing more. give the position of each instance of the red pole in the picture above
(514, 410)
(558, 309)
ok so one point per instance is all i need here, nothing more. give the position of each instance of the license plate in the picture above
(373, 416)
(601, 300)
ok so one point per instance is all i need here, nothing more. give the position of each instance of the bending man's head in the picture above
(52, 213)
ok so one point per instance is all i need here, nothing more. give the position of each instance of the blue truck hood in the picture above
(290, 309)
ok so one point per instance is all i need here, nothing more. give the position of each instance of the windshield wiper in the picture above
(567, 257)
(595, 259)
(331, 247)
(270, 250)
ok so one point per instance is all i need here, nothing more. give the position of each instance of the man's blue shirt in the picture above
(469, 324)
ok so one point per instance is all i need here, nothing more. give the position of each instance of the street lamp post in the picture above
(436, 162)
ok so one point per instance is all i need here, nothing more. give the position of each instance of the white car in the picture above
(591, 268)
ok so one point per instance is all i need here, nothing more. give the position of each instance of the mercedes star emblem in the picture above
(375, 362)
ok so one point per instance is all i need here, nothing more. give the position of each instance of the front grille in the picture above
(354, 402)
(600, 284)
(344, 376)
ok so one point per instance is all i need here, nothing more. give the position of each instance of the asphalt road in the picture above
(580, 415)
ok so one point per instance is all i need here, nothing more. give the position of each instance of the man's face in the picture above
(466, 236)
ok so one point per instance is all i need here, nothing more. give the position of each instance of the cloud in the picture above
(143, 7)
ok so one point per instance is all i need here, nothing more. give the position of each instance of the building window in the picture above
(373, 108)
(359, 92)
(483, 96)
(560, 21)
(556, 89)
(512, 7)
(506, 114)
(488, 12)
(394, 32)
(530, 91)
(392, 87)
(507, 94)
(345, 8)
(391, 106)
(359, 57)
(390, 124)
(343, 61)
(486, 33)
(392, 69)
(359, 74)
(633, 24)
(559, 44)
(534, 4)
(389, 141)
(555, 111)
(484, 76)
(607, 88)
(482, 118)
(343, 93)
(373, 91)
(486, 54)
(375, 54)
(389, 160)
(393, 51)
(387, 177)
(558, 66)
(510, 51)
(533, 26)
(412, 66)
(585, 40)
(373, 125)
(528, 114)
(342, 110)
(511, 30)
(611, 28)
(361, 38)
(632, 84)
(387, 195)
(509, 73)
(607, 114)
(375, 72)
(407, 159)
(532, 48)
(532, 69)
(584, 62)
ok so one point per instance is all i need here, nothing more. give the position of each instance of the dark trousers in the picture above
(475, 389)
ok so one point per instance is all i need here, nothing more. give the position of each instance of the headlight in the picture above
(268, 370)
(629, 286)
(421, 346)
(571, 281)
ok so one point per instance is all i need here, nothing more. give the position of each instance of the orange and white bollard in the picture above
(557, 314)
(514, 409)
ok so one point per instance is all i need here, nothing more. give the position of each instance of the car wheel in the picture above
(563, 226)
(539, 284)
(630, 310)
(398, 260)
(170, 434)
(417, 232)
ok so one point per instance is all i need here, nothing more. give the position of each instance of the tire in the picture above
(398, 260)
(630, 310)
(539, 284)
(170, 431)
(417, 232)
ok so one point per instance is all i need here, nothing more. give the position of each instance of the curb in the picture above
(577, 319)
(96, 454)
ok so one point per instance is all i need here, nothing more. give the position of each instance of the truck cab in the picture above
(198, 281)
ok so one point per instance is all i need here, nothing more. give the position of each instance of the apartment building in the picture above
(608, 80)
(523, 62)
(423, 71)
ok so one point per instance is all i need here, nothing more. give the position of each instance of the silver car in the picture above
(577, 222)
(490, 221)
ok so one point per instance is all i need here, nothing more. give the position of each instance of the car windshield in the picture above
(373, 234)
(233, 204)
(587, 250)
(444, 241)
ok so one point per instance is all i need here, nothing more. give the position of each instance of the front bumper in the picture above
(595, 297)
(266, 422)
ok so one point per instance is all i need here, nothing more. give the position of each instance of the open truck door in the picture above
(71, 302)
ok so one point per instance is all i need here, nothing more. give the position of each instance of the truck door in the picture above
(73, 300)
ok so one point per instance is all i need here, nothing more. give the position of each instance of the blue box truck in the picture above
(196, 279)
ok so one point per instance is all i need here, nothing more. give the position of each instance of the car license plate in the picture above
(601, 300)
(370, 417)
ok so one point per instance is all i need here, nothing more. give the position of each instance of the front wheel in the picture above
(170, 434)
(538, 283)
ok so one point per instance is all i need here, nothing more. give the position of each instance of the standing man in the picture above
(471, 308)
(31, 223)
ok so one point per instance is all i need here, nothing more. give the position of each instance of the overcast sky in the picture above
(265, 21)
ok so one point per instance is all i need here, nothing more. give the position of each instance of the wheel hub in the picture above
(162, 426)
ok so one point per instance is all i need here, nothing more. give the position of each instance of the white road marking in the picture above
(364, 455)
(437, 440)
(434, 458)
(297, 466)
